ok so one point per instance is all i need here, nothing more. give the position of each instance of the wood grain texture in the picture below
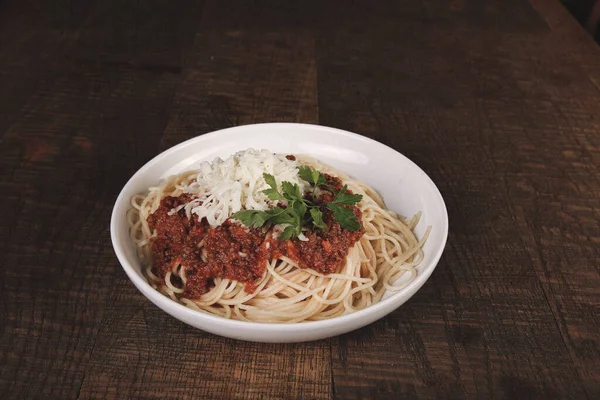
(497, 101)
(505, 125)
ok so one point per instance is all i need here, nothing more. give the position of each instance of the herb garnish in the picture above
(302, 211)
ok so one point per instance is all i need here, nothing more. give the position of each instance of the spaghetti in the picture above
(384, 252)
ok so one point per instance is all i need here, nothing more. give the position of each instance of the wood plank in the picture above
(570, 37)
(58, 187)
(25, 54)
(487, 116)
(234, 74)
(497, 101)
(246, 70)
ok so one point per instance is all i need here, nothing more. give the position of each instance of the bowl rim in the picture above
(163, 301)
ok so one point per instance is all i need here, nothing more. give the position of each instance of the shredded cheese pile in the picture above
(224, 187)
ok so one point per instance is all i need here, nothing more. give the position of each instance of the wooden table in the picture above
(498, 101)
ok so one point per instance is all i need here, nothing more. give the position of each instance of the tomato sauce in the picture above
(324, 252)
(177, 237)
(233, 251)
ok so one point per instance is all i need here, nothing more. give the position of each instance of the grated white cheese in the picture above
(224, 187)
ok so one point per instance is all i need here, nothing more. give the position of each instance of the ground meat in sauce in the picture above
(324, 251)
(334, 182)
(177, 236)
(236, 252)
(231, 250)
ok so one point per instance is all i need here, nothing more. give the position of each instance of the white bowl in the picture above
(405, 188)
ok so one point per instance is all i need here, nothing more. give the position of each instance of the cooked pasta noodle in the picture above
(388, 252)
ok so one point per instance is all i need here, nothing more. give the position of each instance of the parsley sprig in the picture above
(302, 211)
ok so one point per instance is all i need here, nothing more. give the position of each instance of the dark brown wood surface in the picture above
(498, 101)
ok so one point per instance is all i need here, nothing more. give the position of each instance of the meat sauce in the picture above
(324, 251)
(233, 251)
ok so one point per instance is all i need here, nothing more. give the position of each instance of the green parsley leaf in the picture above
(254, 218)
(345, 217)
(305, 172)
(346, 198)
(311, 175)
(297, 225)
(270, 180)
(295, 216)
(275, 212)
(281, 216)
(317, 219)
(299, 207)
(287, 233)
(291, 191)
(271, 193)
(319, 178)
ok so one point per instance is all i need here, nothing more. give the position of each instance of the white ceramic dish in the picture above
(406, 189)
